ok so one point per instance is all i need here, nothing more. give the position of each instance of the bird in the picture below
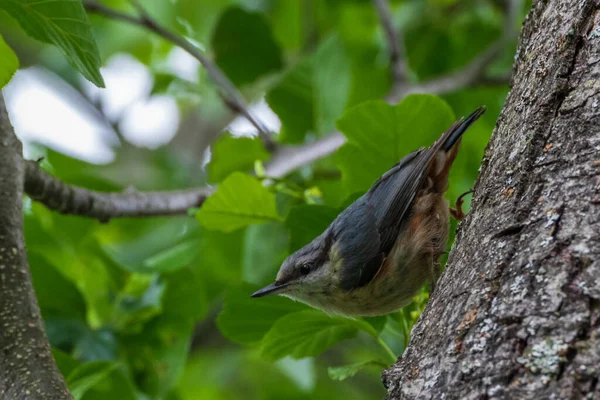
(378, 252)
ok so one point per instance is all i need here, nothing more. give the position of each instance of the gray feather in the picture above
(356, 235)
(367, 230)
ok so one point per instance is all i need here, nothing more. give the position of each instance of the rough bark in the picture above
(517, 311)
(27, 368)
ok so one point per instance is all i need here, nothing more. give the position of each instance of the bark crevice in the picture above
(527, 257)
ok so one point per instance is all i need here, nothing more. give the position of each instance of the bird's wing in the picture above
(365, 232)
(392, 195)
(356, 245)
(368, 229)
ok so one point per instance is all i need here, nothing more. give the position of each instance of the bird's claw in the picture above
(457, 212)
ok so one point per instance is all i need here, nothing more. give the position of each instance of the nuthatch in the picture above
(379, 251)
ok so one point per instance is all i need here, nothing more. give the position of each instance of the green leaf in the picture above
(96, 345)
(436, 45)
(239, 201)
(66, 243)
(379, 135)
(230, 154)
(348, 371)
(245, 320)
(220, 261)
(145, 246)
(65, 363)
(89, 273)
(332, 83)
(86, 376)
(313, 93)
(47, 282)
(366, 68)
(157, 356)
(292, 101)
(378, 323)
(78, 172)
(306, 333)
(63, 23)
(162, 81)
(138, 302)
(286, 20)
(358, 23)
(244, 46)
(9, 63)
(174, 258)
(185, 295)
(306, 222)
(265, 248)
(397, 329)
(100, 379)
(301, 372)
(84, 343)
(356, 176)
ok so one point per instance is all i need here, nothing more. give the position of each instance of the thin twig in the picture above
(93, 107)
(470, 75)
(103, 206)
(68, 199)
(229, 93)
(98, 109)
(495, 80)
(511, 29)
(395, 43)
(289, 158)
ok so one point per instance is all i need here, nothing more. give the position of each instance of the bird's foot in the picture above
(457, 212)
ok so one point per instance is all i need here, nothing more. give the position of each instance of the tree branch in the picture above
(68, 199)
(395, 42)
(470, 75)
(229, 93)
(27, 368)
(289, 158)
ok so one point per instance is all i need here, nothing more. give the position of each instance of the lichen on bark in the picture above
(517, 312)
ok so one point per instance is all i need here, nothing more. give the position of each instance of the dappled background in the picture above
(159, 308)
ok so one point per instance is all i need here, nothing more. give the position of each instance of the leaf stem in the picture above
(387, 349)
(230, 95)
(405, 329)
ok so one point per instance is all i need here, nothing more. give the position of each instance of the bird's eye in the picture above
(305, 269)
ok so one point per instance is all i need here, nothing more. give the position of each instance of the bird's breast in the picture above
(405, 268)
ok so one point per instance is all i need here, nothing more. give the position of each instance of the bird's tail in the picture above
(446, 149)
(453, 135)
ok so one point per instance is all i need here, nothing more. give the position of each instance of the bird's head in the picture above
(307, 275)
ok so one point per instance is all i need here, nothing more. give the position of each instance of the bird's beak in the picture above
(271, 289)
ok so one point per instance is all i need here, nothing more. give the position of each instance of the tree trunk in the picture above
(27, 368)
(517, 311)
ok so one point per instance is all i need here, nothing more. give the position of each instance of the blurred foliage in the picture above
(400, 129)
(241, 35)
(159, 308)
(248, 150)
(9, 63)
(63, 23)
